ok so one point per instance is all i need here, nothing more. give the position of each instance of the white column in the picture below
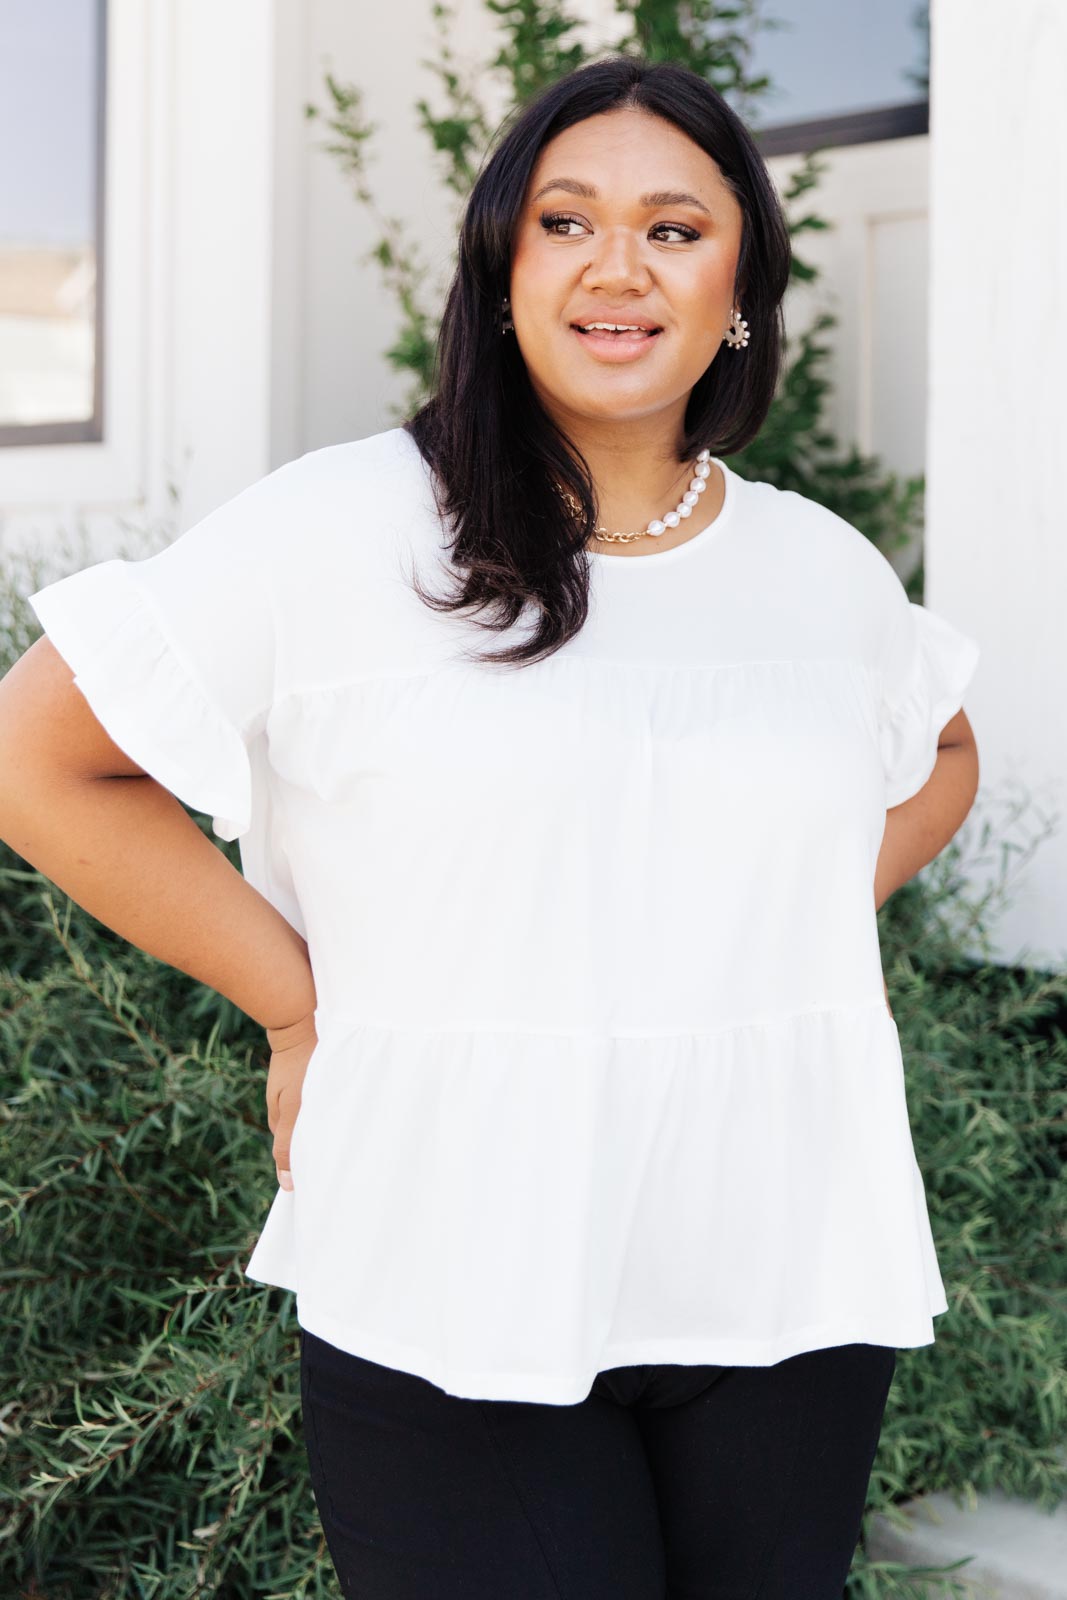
(212, 232)
(996, 539)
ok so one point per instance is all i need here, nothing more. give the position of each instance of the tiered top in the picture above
(605, 1073)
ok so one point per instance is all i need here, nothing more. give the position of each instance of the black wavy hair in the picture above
(494, 452)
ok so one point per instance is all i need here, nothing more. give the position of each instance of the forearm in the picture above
(918, 830)
(127, 851)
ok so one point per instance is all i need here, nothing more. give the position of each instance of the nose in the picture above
(617, 263)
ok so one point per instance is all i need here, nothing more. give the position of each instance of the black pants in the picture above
(665, 1483)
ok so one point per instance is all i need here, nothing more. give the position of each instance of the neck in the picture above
(635, 468)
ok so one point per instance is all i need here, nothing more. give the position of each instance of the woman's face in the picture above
(634, 249)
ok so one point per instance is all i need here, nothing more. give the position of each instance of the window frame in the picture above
(902, 120)
(113, 469)
(90, 430)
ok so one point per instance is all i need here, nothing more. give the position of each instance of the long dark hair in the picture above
(493, 450)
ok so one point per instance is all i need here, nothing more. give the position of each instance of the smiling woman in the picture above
(602, 1212)
(674, 228)
(660, 264)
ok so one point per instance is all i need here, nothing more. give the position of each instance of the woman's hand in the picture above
(291, 1048)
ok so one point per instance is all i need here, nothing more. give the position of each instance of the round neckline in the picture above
(675, 552)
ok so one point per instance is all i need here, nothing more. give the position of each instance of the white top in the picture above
(605, 1072)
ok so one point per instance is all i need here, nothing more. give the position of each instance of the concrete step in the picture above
(1019, 1551)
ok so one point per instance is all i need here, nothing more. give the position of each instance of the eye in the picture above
(550, 220)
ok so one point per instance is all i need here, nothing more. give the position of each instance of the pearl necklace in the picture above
(697, 484)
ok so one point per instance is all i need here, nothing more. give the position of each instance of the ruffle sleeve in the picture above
(148, 698)
(177, 653)
(926, 670)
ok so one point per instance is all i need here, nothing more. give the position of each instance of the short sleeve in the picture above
(175, 652)
(926, 668)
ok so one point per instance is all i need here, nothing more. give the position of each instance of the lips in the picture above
(615, 349)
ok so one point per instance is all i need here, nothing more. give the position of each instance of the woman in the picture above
(596, 1182)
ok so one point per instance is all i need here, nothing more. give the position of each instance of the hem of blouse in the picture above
(564, 1389)
(273, 1277)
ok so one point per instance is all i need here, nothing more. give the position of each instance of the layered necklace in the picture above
(697, 484)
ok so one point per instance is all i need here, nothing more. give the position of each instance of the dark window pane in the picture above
(832, 57)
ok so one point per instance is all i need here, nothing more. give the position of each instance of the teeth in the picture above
(613, 327)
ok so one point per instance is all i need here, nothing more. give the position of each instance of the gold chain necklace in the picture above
(659, 525)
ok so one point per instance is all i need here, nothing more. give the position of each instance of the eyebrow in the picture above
(661, 197)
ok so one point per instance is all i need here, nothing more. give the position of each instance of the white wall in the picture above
(997, 526)
(337, 317)
(872, 262)
(212, 227)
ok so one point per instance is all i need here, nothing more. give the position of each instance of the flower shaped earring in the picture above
(736, 335)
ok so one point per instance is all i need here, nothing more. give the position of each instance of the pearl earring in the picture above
(736, 335)
(507, 326)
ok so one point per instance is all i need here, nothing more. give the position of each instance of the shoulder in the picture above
(355, 480)
(825, 546)
(342, 502)
(377, 466)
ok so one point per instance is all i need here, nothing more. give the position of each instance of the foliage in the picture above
(151, 1430)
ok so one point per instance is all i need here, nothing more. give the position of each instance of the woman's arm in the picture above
(78, 809)
(920, 828)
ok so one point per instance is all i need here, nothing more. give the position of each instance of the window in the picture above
(841, 71)
(52, 92)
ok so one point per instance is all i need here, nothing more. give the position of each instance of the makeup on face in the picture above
(627, 247)
(609, 333)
